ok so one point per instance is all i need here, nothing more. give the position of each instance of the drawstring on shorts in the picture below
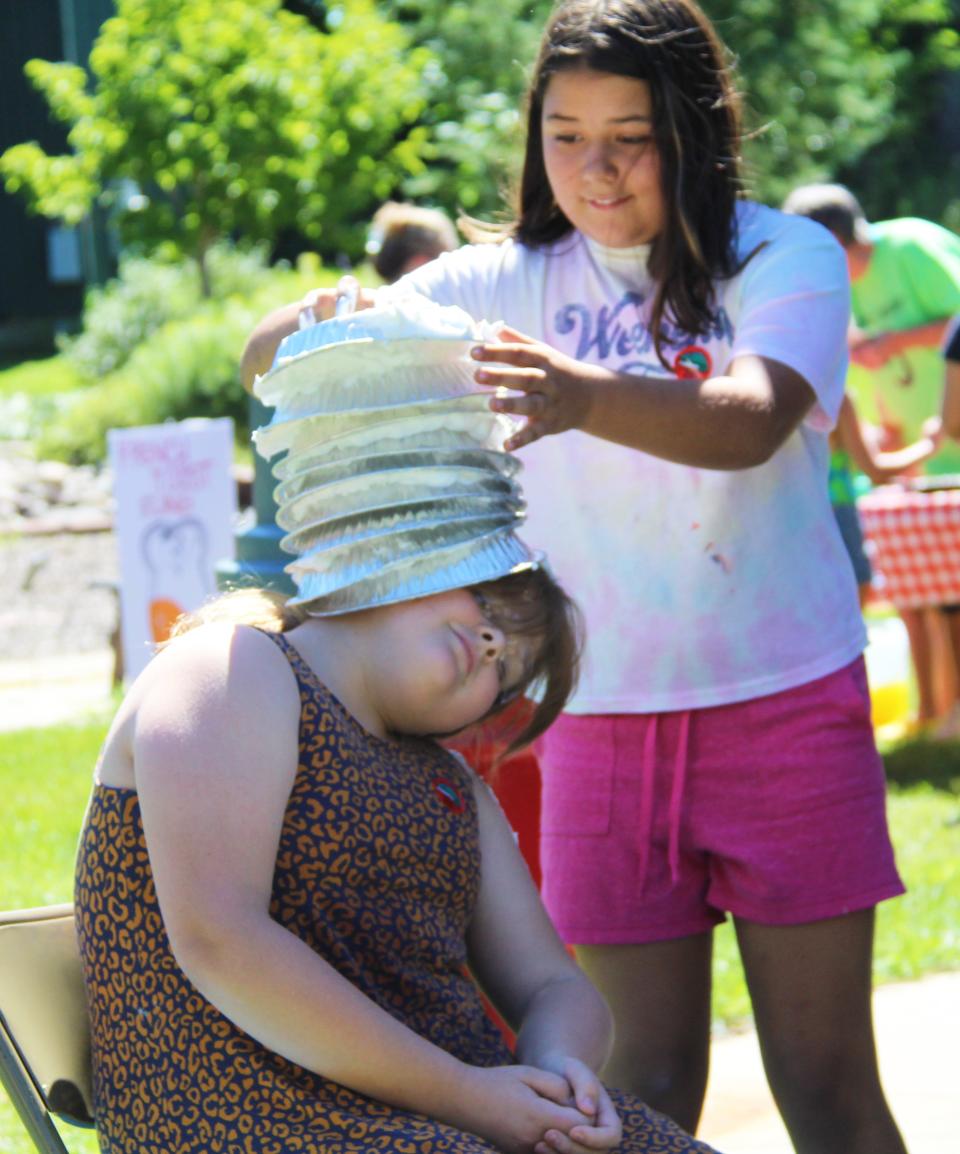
(647, 783)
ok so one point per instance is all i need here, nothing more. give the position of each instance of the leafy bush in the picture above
(146, 294)
(188, 367)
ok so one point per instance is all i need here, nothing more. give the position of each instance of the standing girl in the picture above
(679, 355)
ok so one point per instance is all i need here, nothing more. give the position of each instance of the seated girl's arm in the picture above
(563, 1024)
(215, 754)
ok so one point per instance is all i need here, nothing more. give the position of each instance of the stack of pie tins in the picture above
(394, 483)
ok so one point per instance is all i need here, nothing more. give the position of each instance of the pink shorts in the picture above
(773, 810)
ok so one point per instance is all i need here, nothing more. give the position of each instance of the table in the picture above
(916, 541)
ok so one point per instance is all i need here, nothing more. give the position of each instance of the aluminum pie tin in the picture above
(329, 532)
(350, 563)
(486, 558)
(356, 373)
(501, 464)
(474, 428)
(390, 487)
(302, 433)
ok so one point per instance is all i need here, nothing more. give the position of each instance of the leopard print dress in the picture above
(377, 870)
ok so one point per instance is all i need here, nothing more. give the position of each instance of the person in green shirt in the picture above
(905, 290)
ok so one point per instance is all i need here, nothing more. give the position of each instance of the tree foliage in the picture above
(483, 54)
(829, 81)
(244, 118)
(230, 117)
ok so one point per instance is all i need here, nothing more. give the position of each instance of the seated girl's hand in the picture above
(590, 1097)
(556, 388)
(514, 1106)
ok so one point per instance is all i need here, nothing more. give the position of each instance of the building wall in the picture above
(40, 284)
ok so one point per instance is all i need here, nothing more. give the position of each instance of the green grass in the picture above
(45, 779)
(41, 378)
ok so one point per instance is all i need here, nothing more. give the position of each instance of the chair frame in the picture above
(35, 1105)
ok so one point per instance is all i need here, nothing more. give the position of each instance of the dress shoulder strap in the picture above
(307, 681)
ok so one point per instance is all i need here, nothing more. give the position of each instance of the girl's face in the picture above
(601, 157)
(445, 662)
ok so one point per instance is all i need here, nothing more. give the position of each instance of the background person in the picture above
(852, 449)
(405, 236)
(949, 729)
(679, 355)
(905, 287)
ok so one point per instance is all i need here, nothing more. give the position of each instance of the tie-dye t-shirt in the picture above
(699, 587)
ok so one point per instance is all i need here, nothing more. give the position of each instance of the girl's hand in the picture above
(934, 431)
(321, 304)
(602, 1132)
(872, 352)
(556, 388)
(513, 1107)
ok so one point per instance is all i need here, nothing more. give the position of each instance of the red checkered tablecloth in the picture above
(916, 544)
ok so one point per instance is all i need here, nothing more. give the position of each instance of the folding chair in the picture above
(44, 1029)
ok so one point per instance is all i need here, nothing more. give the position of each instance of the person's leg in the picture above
(811, 991)
(941, 661)
(660, 997)
(949, 729)
(920, 652)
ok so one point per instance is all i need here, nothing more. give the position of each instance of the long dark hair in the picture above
(672, 46)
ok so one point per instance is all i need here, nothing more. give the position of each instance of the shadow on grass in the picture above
(919, 760)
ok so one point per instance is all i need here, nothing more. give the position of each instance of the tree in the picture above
(212, 118)
(827, 81)
(483, 53)
(915, 169)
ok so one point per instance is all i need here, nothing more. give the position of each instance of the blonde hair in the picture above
(259, 608)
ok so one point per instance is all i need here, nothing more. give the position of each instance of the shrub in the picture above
(145, 295)
(188, 367)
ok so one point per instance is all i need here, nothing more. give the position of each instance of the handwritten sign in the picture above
(175, 503)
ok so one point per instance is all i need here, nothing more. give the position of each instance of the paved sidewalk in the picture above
(49, 690)
(918, 1038)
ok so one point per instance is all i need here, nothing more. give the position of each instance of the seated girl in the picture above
(286, 886)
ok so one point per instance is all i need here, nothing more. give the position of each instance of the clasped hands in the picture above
(561, 1110)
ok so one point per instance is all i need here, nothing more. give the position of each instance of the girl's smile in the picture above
(601, 157)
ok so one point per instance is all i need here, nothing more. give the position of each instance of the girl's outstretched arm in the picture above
(215, 751)
(563, 1024)
(263, 342)
(731, 421)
